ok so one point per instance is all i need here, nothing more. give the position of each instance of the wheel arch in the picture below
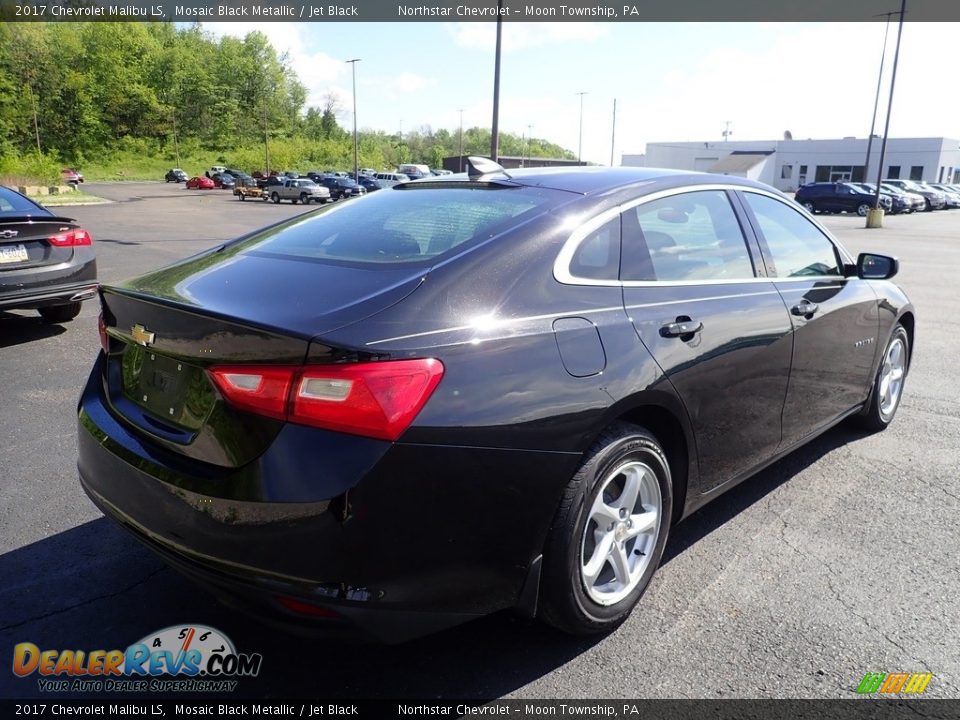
(670, 433)
(663, 415)
(909, 322)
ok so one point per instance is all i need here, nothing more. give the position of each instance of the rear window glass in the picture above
(12, 203)
(402, 226)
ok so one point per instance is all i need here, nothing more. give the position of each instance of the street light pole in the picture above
(461, 140)
(886, 129)
(876, 101)
(613, 131)
(495, 130)
(580, 145)
(356, 163)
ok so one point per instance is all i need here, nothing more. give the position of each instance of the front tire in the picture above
(811, 208)
(60, 313)
(609, 532)
(863, 209)
(888, 384)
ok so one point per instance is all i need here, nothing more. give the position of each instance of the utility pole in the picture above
(176, 144)
(580, 144)
(495, 130)
(266, 142)
(461, 140)
(876, 101)
(36, 123)
(356, 163)
(727, 132)
(875, 214)
(613, 131)
(526, 147)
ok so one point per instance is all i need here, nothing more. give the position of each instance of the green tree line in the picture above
(131, 98)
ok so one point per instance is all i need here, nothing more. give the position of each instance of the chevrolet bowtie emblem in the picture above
(141, 336)
(7, 234)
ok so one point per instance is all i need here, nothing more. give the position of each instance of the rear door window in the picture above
(688, 237)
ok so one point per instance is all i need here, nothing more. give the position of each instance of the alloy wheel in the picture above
(621, 532)
(891, 376)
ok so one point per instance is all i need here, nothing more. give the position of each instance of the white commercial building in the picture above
(788, 164)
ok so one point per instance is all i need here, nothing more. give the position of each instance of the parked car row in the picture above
(896, 196)
(340, 184)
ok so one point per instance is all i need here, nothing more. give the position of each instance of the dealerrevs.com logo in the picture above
(180, 658)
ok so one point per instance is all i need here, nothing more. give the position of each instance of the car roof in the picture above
(592, 180)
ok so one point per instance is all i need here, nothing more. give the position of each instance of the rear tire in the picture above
(275, 198)
(609, 532)
(60, 313)
(888, 383)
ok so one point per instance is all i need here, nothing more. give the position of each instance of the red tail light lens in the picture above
(378, 399)
(71, 238)
(260, 390)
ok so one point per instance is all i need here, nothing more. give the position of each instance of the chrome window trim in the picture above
(561, 265)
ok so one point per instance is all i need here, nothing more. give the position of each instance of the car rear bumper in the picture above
(50, 285)
(416, 539)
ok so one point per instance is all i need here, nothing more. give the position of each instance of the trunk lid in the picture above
(226, 308)
(24, 243)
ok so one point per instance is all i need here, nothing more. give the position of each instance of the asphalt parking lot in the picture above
(838, 560)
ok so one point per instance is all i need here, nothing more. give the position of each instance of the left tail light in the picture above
(71, 238)
(373, 399)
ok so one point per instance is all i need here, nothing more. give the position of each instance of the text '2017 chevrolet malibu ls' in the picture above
(486, 391)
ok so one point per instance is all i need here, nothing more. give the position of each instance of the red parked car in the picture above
(200, 183)
(71, 176)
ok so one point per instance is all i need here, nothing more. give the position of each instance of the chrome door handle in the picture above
(805, 308)
(676, 329)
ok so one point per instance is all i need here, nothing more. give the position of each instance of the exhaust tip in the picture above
(84, 294)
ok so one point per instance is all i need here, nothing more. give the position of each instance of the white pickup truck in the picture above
(299, 190)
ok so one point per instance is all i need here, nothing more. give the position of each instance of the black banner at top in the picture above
(471, 10)
(192, 707)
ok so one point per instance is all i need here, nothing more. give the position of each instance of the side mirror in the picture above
(876, 267)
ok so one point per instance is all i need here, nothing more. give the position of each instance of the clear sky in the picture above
(672, 81)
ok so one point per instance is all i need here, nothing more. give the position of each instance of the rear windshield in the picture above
(402, 226)
(12, 203)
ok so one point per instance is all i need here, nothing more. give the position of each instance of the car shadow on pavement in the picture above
(95, 587)
(20, 329)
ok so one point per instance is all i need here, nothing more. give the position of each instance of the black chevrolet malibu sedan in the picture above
(478, 392)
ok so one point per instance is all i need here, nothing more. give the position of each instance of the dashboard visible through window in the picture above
(686, 237)
(796, 246)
